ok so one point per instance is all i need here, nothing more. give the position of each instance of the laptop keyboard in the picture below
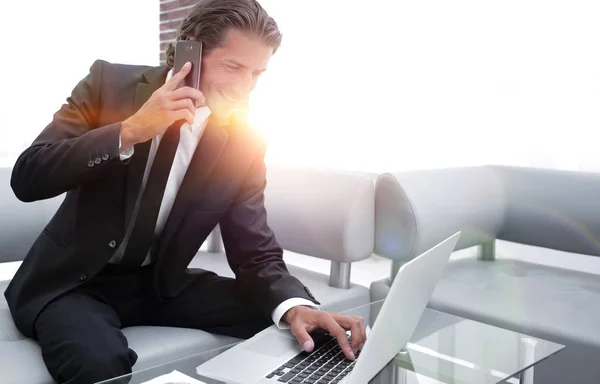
(325, 365)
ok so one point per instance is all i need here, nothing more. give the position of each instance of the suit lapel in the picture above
(152, 79)
(208, 152)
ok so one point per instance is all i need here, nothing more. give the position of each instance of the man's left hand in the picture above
(304, 320)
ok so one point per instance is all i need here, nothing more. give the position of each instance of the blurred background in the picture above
(388, 86)
(391, 86)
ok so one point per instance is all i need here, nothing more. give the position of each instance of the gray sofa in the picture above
(318, 213)
(551, 209)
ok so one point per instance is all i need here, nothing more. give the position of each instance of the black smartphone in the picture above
(188, 50)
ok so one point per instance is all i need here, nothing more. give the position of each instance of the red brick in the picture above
(175, 14)
(169, 5)
(165, 44)
(174, 24)
(168, 36)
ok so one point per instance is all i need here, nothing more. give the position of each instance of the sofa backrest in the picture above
(551, 208)
(20, 223)
(541, 207)
(322, 213)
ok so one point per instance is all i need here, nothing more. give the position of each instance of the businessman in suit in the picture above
(147, 176)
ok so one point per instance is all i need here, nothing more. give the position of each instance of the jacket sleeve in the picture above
(72, 149)
(252, 250)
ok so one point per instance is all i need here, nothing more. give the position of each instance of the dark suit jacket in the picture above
(78, 153)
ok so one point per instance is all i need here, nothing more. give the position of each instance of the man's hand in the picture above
(303, 320)
(163, 108)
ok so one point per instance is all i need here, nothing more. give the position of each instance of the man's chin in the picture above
(227, 113)
(217, 111)
(222, 115)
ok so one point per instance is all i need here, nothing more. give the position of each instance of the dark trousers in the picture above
(80, 331)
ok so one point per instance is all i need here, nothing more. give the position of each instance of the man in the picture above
(148, 175)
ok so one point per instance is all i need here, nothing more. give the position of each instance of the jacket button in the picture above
(83, 277)
(112, 244)
(105, 157)
(90, 163)
(98, 160)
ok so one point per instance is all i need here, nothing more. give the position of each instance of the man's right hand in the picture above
(163, 108)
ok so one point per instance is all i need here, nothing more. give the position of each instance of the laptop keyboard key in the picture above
(285, 378)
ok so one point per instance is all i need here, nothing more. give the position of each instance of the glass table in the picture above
(443, 349)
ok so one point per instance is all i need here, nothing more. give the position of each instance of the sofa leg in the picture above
(487, 251)
(339, 276)
(396, 264)
(215, 242)
(391, 373)
(527, 355)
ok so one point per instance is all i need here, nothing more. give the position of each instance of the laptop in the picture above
(274, 356)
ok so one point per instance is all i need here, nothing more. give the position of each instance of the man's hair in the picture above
(210, 20)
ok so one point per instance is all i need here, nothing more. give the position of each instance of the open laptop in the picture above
(274, 356)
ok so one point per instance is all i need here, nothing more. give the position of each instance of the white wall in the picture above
(50, 45)
(388, 86)
(391, 85)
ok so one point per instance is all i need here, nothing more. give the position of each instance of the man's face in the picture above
(230, 72)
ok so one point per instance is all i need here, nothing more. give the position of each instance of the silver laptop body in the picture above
(274, 356)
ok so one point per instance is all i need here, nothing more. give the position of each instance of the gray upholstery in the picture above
(334, 221)
(331, 299)
(414, 209)
(20, 223)
(156, 345)
(21, 361)
(552, 209)
(325, 214)
(546, 208)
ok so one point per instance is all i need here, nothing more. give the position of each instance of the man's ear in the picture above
(190, 38)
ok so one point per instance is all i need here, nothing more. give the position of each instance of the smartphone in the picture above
(188, 50)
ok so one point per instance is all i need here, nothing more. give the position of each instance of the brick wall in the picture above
(171, 15)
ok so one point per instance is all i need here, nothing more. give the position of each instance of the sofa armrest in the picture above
(322, 213)
(415, 210)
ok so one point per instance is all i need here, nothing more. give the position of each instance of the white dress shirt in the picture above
(188, 141)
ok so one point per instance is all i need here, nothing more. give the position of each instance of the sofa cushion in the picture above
(21, 361)
(554, 304)
(537, 299)
(158, 345)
